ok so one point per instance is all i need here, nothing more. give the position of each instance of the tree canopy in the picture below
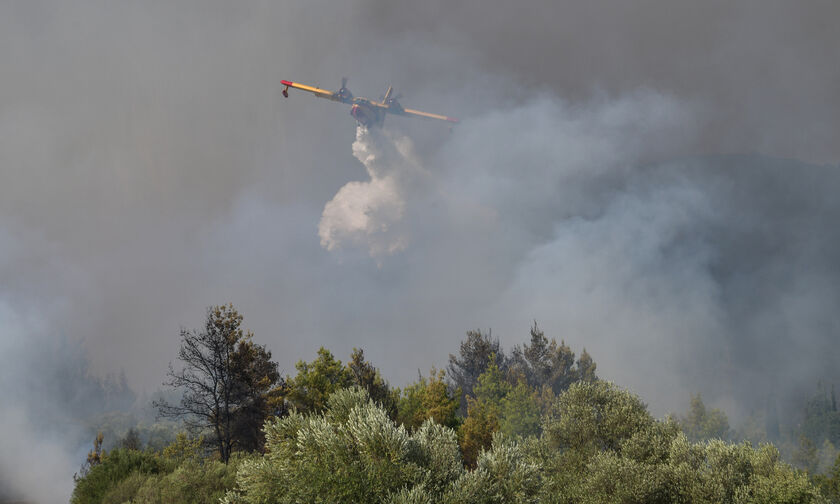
(539, 427)
(224, 377)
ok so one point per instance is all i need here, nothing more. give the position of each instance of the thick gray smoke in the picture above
(149, 168)
(45, 419)
(704, 272)
(23, 443)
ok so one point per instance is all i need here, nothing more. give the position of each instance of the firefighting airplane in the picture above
(368, 113)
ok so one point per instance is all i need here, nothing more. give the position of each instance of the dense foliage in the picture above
(538, 426)
(352, 452)
(152, 477)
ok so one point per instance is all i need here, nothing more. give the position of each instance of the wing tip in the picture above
(286, 83)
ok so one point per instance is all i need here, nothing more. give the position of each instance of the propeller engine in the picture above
(393, 101)
(344, 94)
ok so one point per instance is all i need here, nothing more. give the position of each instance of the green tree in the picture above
(477, 351)
(118, 465)
(592, 417)
(94, 457)
(503, 474)
(351, 452)
(224, 377)
(195, 481)
(491, 385)
(520, 411)
(256, 376)
(544, 362)
(428, 398)
(821, 420)
(315, 381)
(826, 455)
(701, 424)
(829, 483)
(183, 448)
(131, 440)
(477, 430)
(600, 444)
(586, 367)
(497, 406)
(365, 375)
(516, 406)
(484, 411)
(717, 471)
(805, 456)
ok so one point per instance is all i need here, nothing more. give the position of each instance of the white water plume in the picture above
(369, 214)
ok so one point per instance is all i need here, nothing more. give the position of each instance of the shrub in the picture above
(353, 452)
(114, 468)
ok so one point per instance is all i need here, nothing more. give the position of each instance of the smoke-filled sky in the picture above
(654, 181)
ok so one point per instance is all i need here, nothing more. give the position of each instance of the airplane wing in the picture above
(320, 93)
(388, 104)
(426, 115)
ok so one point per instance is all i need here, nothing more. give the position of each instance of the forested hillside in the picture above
(534, 424)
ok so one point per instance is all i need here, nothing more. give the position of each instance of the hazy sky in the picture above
(149, 168)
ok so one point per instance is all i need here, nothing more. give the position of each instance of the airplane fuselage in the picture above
(367, 116)
(368, 113)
